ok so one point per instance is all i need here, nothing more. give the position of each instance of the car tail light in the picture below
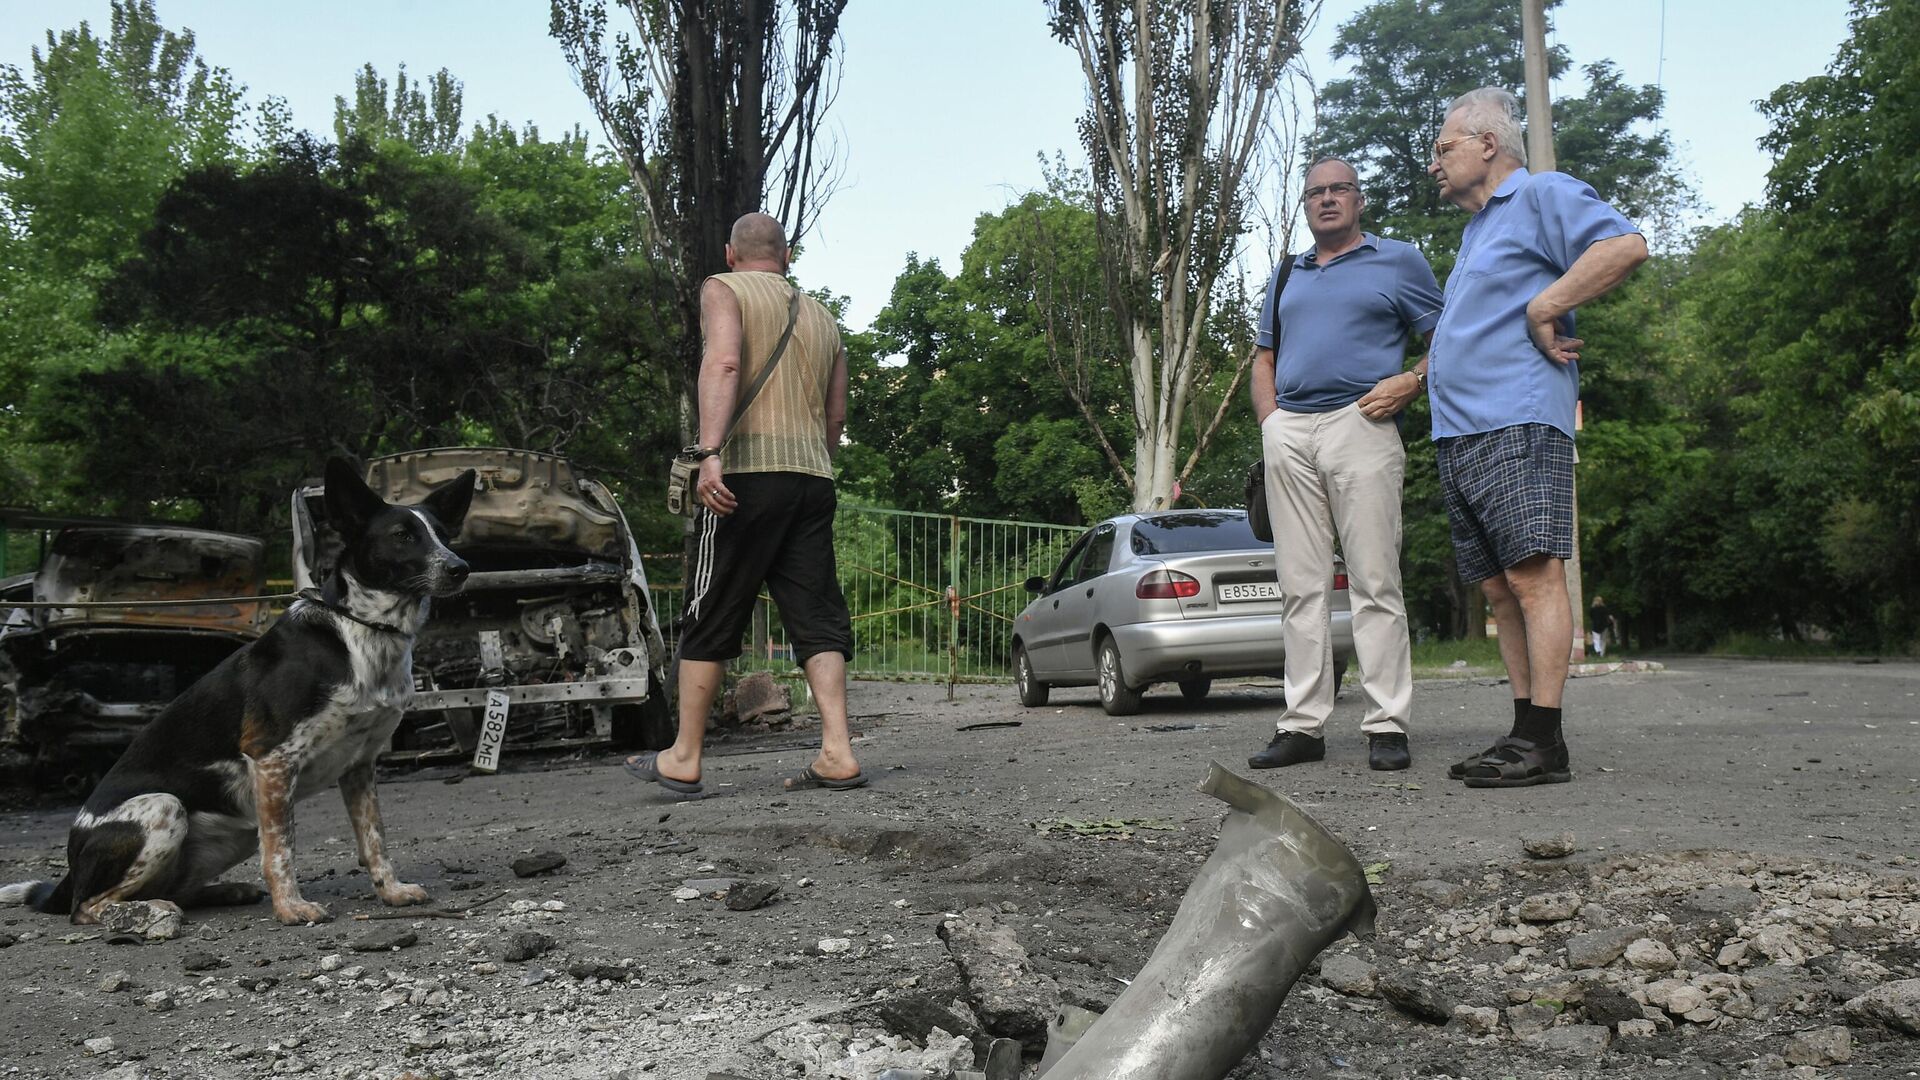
(1167, 585)
(1339, 581)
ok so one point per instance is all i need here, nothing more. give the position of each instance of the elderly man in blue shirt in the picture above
(1505, 375)
(1326, 395)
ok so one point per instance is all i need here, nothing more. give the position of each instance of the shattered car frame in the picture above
(552, 644)
(86, 679)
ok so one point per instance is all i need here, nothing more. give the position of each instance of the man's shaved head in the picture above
(758, 236)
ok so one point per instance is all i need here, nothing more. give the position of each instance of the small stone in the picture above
(1479, 1021)
(1637, 1029)
(1610, 1008)
(1820, 1046)
(115, 981)
(1550, 907)
(553, 905)
(384, 940)
(1573, 1040)
(1441, 894)
(829, 946)
(749, 895)
(1349, 975)
(158, 1001)
(332, 962)
(156, 920)
(526, 945)
(1419, 999)
(685, 893)
(101, 1045)
(1685, 999)
(545, 862)
(201, 960)
(1529, 1019)
(1646, 954)
(1599, 948)
(1548, 845)
(1732, 954)
(485, 967)
(534, 976)
(1895, 1004)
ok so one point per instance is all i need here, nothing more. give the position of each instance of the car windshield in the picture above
(1167, 534)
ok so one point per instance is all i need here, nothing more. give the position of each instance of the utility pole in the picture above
(1533, 34)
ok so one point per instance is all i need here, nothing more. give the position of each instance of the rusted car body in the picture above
(85, 679)
(554, 632)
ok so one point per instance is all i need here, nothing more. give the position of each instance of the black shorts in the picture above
(781, 535)
(1509, 497)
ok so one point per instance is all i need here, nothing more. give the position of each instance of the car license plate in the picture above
(493, 731)
(1252, 590)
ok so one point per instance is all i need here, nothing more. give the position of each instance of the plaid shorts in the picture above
(1509, 496)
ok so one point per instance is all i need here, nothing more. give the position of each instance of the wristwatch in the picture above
(699, 453)
(1419, 377)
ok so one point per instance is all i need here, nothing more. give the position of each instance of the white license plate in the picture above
(1252, 590)
(493, 731)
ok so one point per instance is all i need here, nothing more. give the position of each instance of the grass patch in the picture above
(1462, 658)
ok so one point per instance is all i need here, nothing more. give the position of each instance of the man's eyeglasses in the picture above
(1441, 147)
(1339, 188)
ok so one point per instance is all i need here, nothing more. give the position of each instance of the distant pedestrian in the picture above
(1505, 376)
(1326, 395)
(1601, 625)
(767, 504)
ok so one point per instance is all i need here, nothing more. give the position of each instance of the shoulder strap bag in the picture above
(686, 464)
(1257, 473)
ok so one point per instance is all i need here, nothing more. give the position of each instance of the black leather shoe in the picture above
(1289, 748)
(1387, 753)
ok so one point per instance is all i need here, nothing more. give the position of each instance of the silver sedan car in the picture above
(1181, 596)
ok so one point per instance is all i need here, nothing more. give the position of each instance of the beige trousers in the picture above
(1326, 472)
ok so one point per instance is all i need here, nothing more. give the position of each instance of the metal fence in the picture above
(933, 596)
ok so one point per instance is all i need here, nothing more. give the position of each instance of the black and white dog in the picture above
(308, 705)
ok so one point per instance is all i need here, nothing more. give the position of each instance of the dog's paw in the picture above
(401, 894)
(301, 912)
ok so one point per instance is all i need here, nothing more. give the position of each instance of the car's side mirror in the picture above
(1036, 584)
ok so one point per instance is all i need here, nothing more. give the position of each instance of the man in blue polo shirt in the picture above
(1505, 370)
(1326, 395)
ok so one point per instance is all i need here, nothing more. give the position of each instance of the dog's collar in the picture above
(313, 596)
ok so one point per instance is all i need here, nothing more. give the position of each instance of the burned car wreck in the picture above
(553, 644)
(83, 679)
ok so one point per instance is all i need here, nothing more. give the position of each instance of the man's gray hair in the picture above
(1493, 111)
(1324, 158)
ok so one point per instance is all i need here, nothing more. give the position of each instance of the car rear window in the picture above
(1168, 534)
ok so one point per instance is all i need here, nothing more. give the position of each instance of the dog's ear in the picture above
(451, 500)
(350, 502)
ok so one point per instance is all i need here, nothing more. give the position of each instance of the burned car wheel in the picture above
(1195, 690)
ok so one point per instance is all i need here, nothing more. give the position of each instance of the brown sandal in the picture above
(1517, 762)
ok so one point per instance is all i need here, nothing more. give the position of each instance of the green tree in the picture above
(425, 118)
(1179, 97)
(90, 136)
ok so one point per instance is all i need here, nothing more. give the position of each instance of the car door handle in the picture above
(1089, 592)
(1056, 605)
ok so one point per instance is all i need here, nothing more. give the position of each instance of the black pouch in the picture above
(1257, 501)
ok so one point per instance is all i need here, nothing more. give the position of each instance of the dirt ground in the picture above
(1741, 899)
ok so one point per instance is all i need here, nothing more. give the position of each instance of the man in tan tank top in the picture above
(766, 505)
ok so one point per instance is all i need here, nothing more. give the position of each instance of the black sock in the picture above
(1520, 708)
(1541, 726)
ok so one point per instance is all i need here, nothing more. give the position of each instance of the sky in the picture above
(945, 109)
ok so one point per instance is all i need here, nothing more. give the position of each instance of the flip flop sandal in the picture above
(1458, 770)
(645, 766)
(1515, 762)
(808, 779)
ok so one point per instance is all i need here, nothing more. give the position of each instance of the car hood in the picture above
(524, 499)
(91, 564)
